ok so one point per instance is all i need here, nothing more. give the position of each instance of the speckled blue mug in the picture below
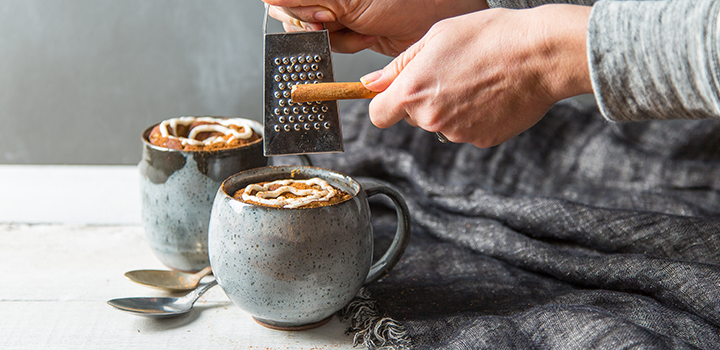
(178, 188)
(293, 269)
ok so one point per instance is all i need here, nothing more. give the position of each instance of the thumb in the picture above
(381, 79)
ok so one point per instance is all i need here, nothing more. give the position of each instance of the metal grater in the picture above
(298, 128)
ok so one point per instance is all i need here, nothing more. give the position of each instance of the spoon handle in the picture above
(204, 272)
(197, 293)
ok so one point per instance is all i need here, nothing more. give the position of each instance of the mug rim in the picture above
(255, 125)
(353, 184)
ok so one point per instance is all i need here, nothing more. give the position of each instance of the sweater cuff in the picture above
(655, 59)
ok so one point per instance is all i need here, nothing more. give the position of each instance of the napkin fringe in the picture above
(371, 330)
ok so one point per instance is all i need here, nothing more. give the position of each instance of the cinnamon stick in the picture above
(330, 92)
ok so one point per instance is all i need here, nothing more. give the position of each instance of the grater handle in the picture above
(264, 28)
(330, 92)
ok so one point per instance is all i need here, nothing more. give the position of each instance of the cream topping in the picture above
(168, 128)
(321, 191)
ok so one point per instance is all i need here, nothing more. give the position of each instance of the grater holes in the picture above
(292, 116)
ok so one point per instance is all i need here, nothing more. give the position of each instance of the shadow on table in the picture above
(170, 323)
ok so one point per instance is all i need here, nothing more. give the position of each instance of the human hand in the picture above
(485, 77)
(385, 26)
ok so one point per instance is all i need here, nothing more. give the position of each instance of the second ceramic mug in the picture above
(178, 189)
(294, 268)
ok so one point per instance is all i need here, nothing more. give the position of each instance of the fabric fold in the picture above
(578, 233)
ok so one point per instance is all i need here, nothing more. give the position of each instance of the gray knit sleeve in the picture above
(520, 4)
(655, 59)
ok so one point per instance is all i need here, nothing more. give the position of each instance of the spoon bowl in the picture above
(161, 307)
(174, 281)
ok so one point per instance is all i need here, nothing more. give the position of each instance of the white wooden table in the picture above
(67, 236)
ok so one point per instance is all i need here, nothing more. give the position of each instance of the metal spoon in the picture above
(161, 307)
(175, 281)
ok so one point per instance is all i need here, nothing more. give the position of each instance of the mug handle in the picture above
(402, 234)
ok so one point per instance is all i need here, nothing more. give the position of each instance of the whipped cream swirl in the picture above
(168, 128)
(319, 191)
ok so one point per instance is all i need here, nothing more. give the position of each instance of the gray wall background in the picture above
(81, 79)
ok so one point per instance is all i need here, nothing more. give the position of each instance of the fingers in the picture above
(309, 14)
(381, 80)
(300, 18)
(346, 41)
(387, 108)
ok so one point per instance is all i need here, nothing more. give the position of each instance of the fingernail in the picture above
(324, 16)
(369, 39)
(313, 26)
(371, 77)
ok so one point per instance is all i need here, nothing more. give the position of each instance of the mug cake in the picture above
(291, 193)
(203, 133)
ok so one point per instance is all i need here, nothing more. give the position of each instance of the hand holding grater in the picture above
(290, 127)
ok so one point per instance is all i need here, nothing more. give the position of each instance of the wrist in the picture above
(564, 54)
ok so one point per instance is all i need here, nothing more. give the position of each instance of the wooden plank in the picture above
(58, 278)
(95, 325)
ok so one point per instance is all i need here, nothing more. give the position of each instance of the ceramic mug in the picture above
(294, 268)
(178, 188)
